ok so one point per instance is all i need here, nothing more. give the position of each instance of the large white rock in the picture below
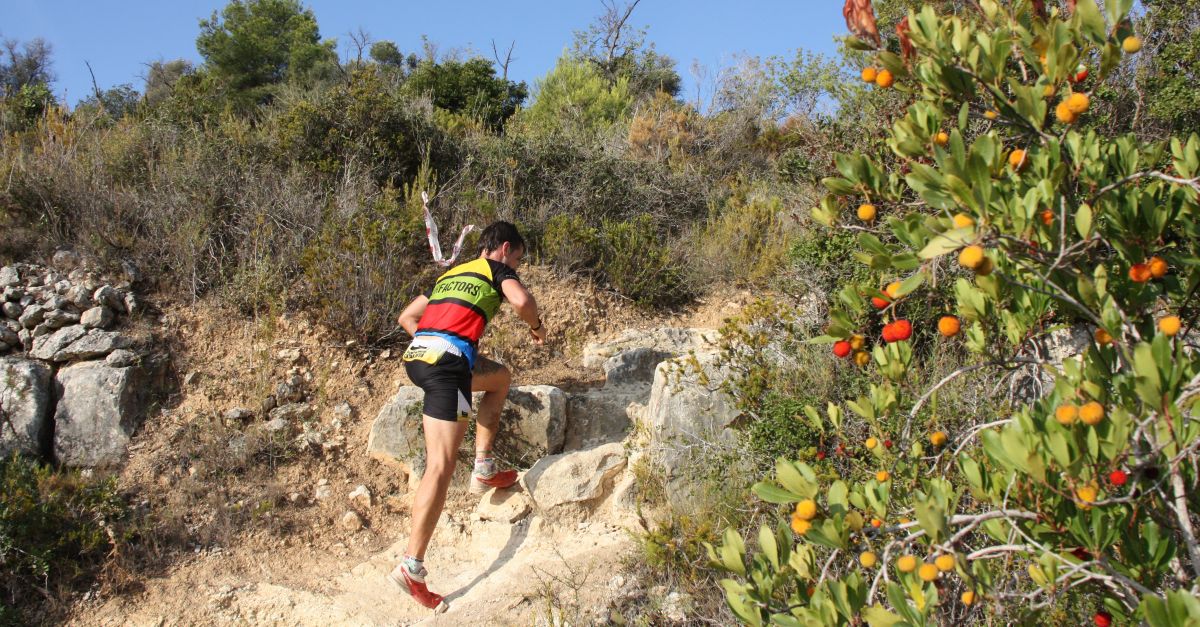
(96, 343)
(395, 437)
(98, 411)
(577, 478)
(24, 406)
(670, 340)
(533, 423)
(686, 412)
(47, 346)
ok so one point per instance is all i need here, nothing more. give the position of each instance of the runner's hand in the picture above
(539, 334)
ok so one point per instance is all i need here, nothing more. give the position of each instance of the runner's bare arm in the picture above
(412, 314)
(525, 306)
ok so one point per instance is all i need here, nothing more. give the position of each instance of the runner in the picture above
(446, 324)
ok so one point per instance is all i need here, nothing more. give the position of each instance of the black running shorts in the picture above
(447, 386)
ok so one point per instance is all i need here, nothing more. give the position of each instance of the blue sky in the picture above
(119, 38)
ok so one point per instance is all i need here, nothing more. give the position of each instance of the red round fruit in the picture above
(1118, 477)
(879, 303)
(1080, 75)
(820, 455)
(1102, 619)
(841, 348)
(887, 444)
(889, 334)
(901, 330)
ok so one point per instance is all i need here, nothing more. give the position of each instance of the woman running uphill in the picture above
(446, 324)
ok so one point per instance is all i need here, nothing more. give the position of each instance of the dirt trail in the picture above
(294, 564)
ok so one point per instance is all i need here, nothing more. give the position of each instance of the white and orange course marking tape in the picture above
(431, 231)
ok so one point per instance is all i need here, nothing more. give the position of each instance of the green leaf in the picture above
(947, 242)
(792, 481)
(772, 493)
(1090, 20)
(766, 541)
(1083, 220)
(877, 616)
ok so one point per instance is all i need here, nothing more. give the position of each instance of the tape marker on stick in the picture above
(431, 231)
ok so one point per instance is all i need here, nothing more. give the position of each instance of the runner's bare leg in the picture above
(442, 439)
(493, 380)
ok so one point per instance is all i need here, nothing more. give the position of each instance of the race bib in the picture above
(427, 354)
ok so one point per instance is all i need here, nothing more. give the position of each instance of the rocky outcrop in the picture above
(25, 402)
(99, 408)
(533, 423)
(574, 479)
(396, 433)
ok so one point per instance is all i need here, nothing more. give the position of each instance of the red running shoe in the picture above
(414, 585)
(500, 480)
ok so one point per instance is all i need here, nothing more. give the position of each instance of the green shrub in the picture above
(57, 530)
(745, 239)
(570, 244)
(639, 263)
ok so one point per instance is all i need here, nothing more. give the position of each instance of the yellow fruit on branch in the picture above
(857, 342)
(872, 443)
(991, 115)
(1016, 159)
(806, 509)
(1085, 495)
(800, 526)
(928, 572)
(892, 290)
(949, 326)
(1131, 44)
(939, 438)
(962, 221)
(944, 563)
(906, 563)
(868, 559)
(1158, 267)
(1064, 114)
(862, 358)
(1066, 414)
(1091, 413)
(882, 476)
(1170, 325)
(971, 257)
(884, 79)
(968, 597)
(869, 74)
(866, 212)
(1077, 102)
(941, 138)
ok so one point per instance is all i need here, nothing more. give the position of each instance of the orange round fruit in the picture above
(800, 526)
(876, 523)
(939, 438)
(1170, 325)
(968, 597)
(1086, 494)
(1077, 102)
(862, 358)
(1016, 159)
(892, 290)
(906, 563)
(1158, 267)
(1139, 273)
(872, 443)
(971, 257)
(927, 572)
(944, 563)
(1047, 217)
(884, 79)
(1131, 44)
(882, 476)
(1066, 414)
(1064, 114)
(806, 509)
(962, 221)
(991, 115)
(941, 138)
(879, 303)
(866, 212)
(1103, 338)
(1091, 413)
(867, 559)
(949, 326)
(869, 74)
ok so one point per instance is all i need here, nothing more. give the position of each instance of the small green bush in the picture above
(57, 530)
(639, 263)
(570, 244)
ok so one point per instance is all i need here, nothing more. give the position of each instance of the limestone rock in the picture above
(293, 413)
(350, 521)
(108, 296)
(237, 414)
(98, 411)
(57, 319)
(9, 276)
(25, 397)
(633, 367)
(596, 417)
(571, 478)
(32, 316)
(79, 296)
(395, 434)
(121, 357)
(532, 424)
(506, 506)
(47, 346)
(361, 496)
(54, 302)
(95, 343)
(97, 318)
(667, 339)
(66, 260)
(9, 337)
(12, 310)
(686, 406)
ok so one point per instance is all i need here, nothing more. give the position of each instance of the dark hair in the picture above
(497, 233)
